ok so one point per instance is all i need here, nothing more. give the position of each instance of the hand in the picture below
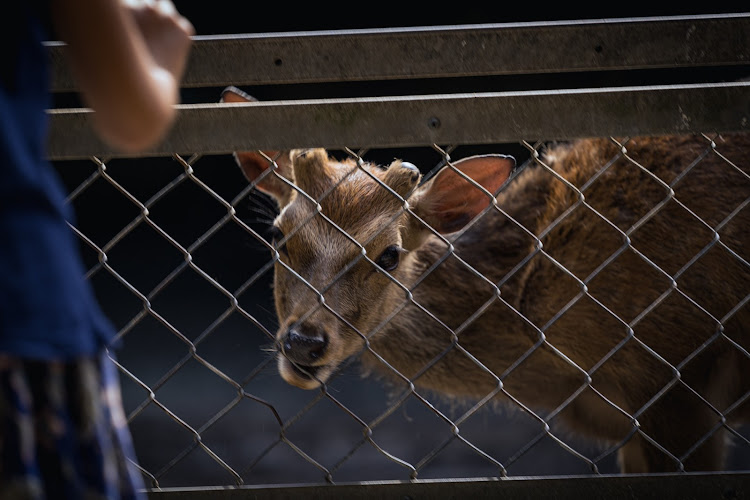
(165, 32)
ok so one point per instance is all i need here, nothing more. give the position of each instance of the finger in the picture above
(186, 26)
(138, 5)
(166, 8)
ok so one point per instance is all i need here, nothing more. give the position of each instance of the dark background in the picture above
(260, 432)
(226, 17)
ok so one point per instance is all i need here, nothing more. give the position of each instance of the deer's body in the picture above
(594, 326)
(611, 295)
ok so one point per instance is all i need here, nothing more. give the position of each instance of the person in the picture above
(63, 433)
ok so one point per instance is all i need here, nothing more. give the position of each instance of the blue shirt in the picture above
(47, 309)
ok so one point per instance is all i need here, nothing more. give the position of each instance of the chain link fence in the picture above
(179, 249)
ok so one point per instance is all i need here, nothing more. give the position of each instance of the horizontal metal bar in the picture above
(422, 120)
(657, 487)
(458, 51)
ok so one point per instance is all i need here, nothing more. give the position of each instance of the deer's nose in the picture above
(304, 344)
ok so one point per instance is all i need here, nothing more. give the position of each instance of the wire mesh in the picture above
(180, 256)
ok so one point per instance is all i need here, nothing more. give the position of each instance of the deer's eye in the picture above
(388, 260)
(276, 237)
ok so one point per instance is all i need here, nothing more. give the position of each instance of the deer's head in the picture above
(346, 240)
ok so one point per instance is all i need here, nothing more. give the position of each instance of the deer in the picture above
(606, 283)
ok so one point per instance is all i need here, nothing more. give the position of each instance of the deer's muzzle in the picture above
(304, 345)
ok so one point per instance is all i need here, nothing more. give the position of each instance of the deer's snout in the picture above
(304, 344)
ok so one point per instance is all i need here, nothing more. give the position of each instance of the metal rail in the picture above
(459, 51)
(442, 119)
(657, 487)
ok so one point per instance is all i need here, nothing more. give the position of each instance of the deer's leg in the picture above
(678, 431)
(639, 455)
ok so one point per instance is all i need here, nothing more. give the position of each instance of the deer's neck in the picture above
(455, 326)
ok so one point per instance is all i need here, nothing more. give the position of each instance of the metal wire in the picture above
(240, 471)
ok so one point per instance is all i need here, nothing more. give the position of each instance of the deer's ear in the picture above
(449, 201)
(256, 168)
(255, 164)
(233, 94)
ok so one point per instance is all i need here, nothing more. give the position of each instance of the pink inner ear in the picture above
(490, 172)
(253, 163)
(454, 201)
(233, 94)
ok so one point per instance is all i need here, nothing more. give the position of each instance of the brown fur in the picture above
(594, 308)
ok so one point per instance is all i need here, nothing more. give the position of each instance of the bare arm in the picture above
(127, 58)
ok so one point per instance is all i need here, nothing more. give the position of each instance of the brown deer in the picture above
(608, 284)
